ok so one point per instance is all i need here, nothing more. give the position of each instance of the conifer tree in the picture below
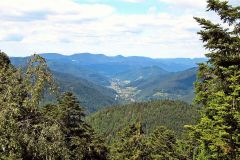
(163, 144)
(22, 128)
(218, 85)
(10, 98)
(130, 144)
(80, 140)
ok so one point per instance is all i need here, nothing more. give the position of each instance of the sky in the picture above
(150, 28)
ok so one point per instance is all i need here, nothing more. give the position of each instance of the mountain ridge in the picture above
(169, 64)
(125, 79)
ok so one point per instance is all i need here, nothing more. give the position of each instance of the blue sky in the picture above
(128, 7)
(152, 28)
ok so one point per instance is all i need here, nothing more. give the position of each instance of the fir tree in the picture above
(218, 85)
(79, 138)
(20, 120)
(163, 144)
(10, 98)
(130, 144)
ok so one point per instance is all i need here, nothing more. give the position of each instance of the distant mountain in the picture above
(179, 64)
(141, 73)
(80, 71)
(98, 68)
(97, 61)
(172, 114)
(178, 85)
(91, 96)
(64, 64)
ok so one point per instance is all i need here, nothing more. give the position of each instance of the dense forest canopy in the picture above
(30, 129)
(172, 114)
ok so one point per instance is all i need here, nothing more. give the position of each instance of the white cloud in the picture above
(68, 27)
(22, 9)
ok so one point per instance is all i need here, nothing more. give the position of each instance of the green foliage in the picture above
(79, 138)
(134, 144)
(130, 144)
(19, 115)
(163, 144)
(28, 131)
(4, 60)
(218, 86)
(172, 114)
(37, 80)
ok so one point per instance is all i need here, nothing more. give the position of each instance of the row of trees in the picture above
(30, 130)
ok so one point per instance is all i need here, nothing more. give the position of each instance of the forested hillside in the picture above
(141, 73)
(177, 85)
(92, 96)
(172, 114)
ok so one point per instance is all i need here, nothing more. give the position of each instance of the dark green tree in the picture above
(81, 141)
(163, 144)
(10, 98)
(218, 85)
(80, 138)
(20, 120)
(130, 144)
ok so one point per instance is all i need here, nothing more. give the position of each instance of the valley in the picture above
(125, 94)
(100, 81)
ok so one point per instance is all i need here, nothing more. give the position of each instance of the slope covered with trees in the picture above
(92, 96)
(179, 85)
(141, 73)
(172, 114)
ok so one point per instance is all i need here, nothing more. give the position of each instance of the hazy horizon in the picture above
(71, 54)
(149, 28)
